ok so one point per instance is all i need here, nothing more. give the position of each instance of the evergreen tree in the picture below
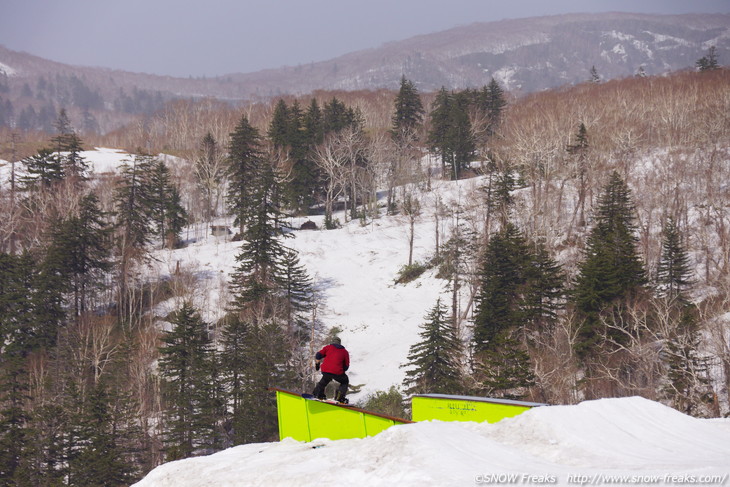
(520, 293)
(254, 279)
(595, 78)
(166, 209)
(304, 181)
(42, 170)
(313, 124)
(708, 62)
(336, 116)
(297, 293)
(279, 127)
(134, 202)
(611, 271)
(440, 121)
(409, 110)
(434, 362)
(502, 278)
(451, 135)
(19, 340)
(100, 460)
(81, 243)
(244, 161)
(504, 370)
(495, 103)
(67, 146)
(187, 366)
(499, 197)
(544, 291)
(236, 360)
(674, 270)
(490, 102)
(270, 366)
(48, 300)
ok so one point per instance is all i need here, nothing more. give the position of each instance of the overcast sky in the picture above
(215, 37)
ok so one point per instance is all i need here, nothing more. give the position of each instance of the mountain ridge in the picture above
(524, 55)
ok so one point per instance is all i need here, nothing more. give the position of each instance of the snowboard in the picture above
(328, 401)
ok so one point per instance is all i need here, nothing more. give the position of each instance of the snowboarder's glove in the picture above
(316, 365)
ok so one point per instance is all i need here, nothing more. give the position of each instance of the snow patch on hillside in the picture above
(7, 70)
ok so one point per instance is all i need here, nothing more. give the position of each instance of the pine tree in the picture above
(495, 103)
(19, 338)
(336, 116)
(100, 459)
(520, 293)
(434, 362)
(674, 270)
(187, 366)
(595, 78)
(67, 146)
(504, 369)
(708, 62)
(166, 209)
(451, 135)
(244, 161)
(42, 170)
(313, 124)
(235, 362)
(502, 277)
(297, 294)
(270, 366)
(544, 291)
(611, 271)
(304, 179)
(254, 279)
(409, 110)
(82, 246)
(440, 120)
(491, 102)
(134, 201)
(279, 127)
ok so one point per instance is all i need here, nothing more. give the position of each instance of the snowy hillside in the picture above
(629, 441)
(354, 269)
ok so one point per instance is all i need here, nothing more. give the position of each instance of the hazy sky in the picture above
(215, 37)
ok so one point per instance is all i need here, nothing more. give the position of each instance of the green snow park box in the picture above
(466, 408)
(306, 419)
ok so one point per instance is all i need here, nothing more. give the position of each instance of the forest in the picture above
(593, 261)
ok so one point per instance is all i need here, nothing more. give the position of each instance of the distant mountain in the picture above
(525, 55)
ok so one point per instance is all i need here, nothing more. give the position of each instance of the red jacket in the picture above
(336, 359)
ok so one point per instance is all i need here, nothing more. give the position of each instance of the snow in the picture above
(354, 270)
(7, 70)
(628, 441)
(101, 160)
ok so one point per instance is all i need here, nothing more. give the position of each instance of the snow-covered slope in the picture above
(628, 441)
(354, 269)
(101, 160)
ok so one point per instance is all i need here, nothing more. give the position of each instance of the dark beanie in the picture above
(337, 340)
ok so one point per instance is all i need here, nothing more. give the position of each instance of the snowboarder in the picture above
(333, 360)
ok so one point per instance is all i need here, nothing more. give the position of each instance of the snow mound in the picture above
(628, 440)
(630, 432)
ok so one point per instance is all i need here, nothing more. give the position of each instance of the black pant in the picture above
(342, 379)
